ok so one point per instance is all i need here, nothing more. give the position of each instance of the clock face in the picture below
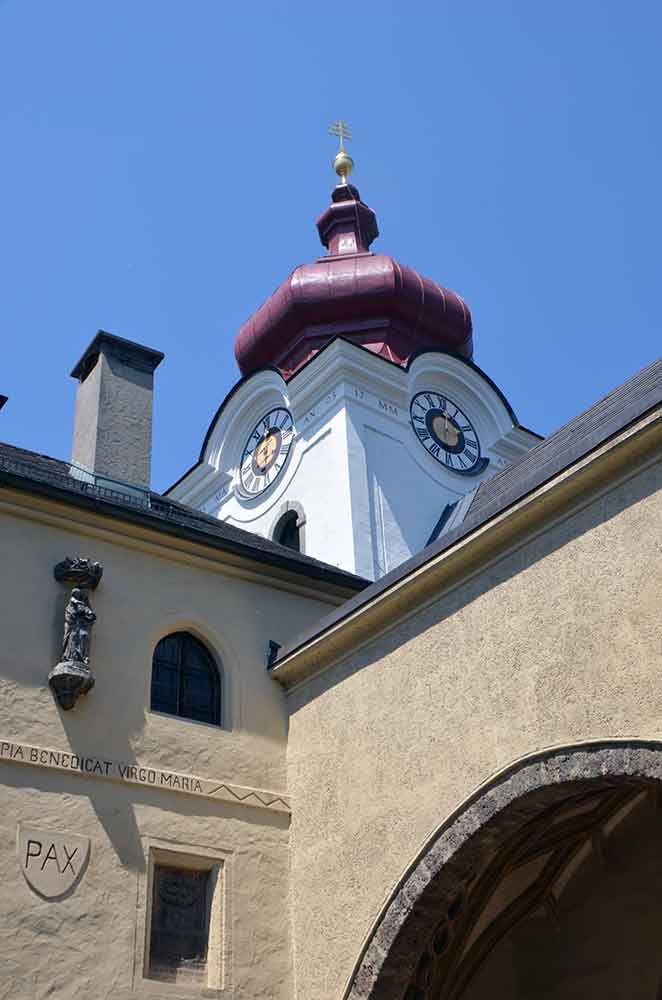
(446, 433)
(266, 451)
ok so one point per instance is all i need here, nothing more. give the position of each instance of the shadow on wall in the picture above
(597, 512)
(167, 815)
(101, 732)
(114, 810)
(104, 724)
(114, 723)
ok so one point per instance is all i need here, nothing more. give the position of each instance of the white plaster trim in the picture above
(348, 384)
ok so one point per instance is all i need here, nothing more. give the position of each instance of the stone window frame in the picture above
(286, 508)
(196, 857)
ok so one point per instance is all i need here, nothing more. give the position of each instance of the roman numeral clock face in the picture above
(446, 433)
(266, 451)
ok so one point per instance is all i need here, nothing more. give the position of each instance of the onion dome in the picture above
(367, 298)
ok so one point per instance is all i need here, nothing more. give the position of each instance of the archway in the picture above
(522, 892)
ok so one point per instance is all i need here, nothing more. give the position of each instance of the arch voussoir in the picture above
(445, 865)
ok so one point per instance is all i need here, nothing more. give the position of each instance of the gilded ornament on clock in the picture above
(266, 451)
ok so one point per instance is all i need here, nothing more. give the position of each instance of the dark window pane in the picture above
(198, 696)
(185, 680)
(165, 688)
(169, 649)
(195, 656)
(287, 531)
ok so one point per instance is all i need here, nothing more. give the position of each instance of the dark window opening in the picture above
(185, 680)
(180, 924)
(287, 531)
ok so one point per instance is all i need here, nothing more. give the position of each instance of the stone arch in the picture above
(396, 960)
(286, 509)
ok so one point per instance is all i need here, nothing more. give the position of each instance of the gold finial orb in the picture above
(343, 164)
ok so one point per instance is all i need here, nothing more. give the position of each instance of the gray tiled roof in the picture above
(609, 416)
(30, 471)
(579, 436)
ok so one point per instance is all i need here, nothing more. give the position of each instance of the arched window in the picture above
(185, 679)
(287, 531)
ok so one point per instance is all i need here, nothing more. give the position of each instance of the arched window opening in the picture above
(288, 531)
(185, 679)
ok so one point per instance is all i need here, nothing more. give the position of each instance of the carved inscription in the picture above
(139, 774)
(51, 861)
(388, 407)
(374, 402)
(64, 761)
(320, 409)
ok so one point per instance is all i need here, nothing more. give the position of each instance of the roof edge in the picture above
(359, 347)
(134, 354)
(330, 576)
(315, 649)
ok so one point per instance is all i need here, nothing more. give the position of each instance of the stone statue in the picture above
(78, 621)
(72, 676)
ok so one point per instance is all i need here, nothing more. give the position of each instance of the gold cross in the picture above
(342, 130)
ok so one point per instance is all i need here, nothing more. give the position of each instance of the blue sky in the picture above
(163, 162)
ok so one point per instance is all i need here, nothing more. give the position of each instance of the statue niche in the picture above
(72, 676)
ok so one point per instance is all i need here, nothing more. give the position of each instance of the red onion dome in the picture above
(364, 297)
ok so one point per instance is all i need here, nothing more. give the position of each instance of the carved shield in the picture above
(52, 862)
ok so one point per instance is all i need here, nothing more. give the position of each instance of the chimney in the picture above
(113, 423)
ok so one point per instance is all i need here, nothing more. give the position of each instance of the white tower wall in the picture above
(367, 492)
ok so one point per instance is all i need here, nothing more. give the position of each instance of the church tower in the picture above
(361, 426)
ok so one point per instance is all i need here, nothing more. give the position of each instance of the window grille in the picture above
(179, 933)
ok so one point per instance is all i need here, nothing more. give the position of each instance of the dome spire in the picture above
(348, 226)
(352, 292)
(343, 164)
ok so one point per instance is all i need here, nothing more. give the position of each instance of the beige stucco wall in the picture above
(89, 944)
(557, 641)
